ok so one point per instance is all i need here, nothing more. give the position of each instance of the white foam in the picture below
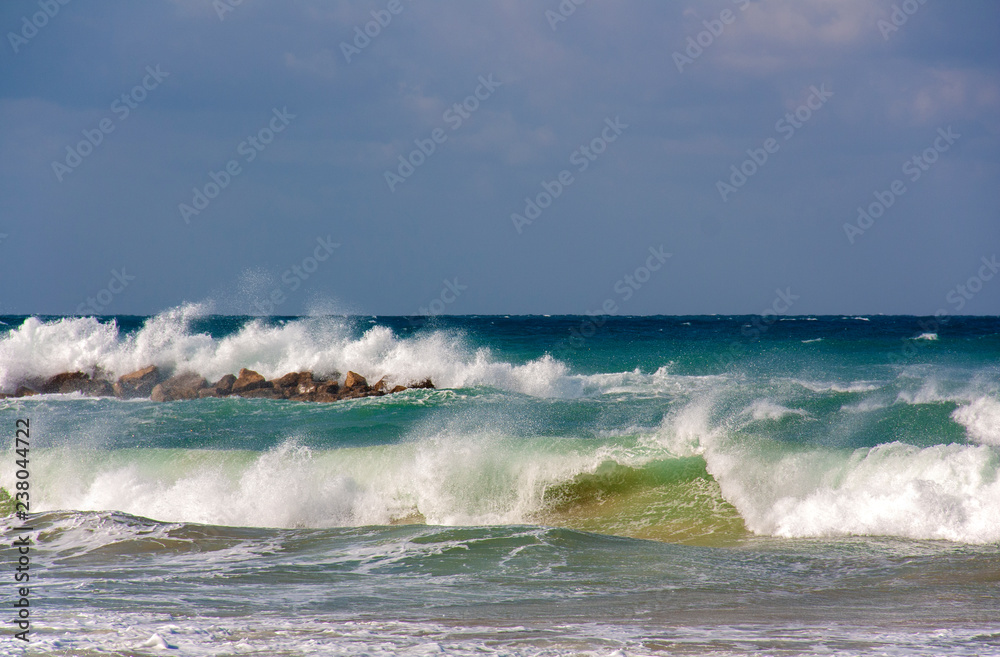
(926, 336)
(949, 492)
(38, 350)
(158, 642)
(835, 386)
(448, 478)
(765, 409)
(981, 419)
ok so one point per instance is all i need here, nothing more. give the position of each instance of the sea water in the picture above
(573, 486)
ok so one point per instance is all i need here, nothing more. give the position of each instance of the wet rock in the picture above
(355, 380)
(65, 382)
(25, 391)
(139, 383)
(262, 393)
(98, 388)
(396, 389)
(426, 383)
(307, 385)
(224, 386)
(382, 386)
(69, 382)
(328, 388)
(183, 386)
(290, 380)
(249, 380)
(205, 393)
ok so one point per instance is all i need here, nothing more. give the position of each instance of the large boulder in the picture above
(327, 391)
(64, 382)
(68, 382)
(139, 383)
(182, 386)
(290, 380)
(355, 380)
(224, 386)
(249, 380)
(98, 388)
(308, 384)
(426, 383)
(263, 393)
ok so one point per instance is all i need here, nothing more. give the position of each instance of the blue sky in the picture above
(506, 157)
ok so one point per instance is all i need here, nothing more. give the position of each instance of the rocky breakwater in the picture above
(152, 383)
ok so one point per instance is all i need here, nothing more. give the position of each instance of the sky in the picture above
(400, 157)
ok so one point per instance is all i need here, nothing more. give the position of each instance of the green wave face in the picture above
(673, 500)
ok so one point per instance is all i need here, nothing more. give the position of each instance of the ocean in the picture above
(705, 485)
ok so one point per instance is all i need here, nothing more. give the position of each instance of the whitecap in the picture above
(981, 420)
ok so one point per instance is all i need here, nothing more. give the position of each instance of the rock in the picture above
(98, 388)
(353, 393)
(249, 380)
(297, 386)
(224, 386)
(139, 383)
(183, 386)
(69, 382)
(65, 382)
(262, 393)
(355, 380)
(328, 388)
(306, 385)
(289, 380)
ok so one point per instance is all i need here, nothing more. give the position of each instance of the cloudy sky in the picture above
(388, 156)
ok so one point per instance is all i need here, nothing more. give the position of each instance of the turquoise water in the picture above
(637, 486)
